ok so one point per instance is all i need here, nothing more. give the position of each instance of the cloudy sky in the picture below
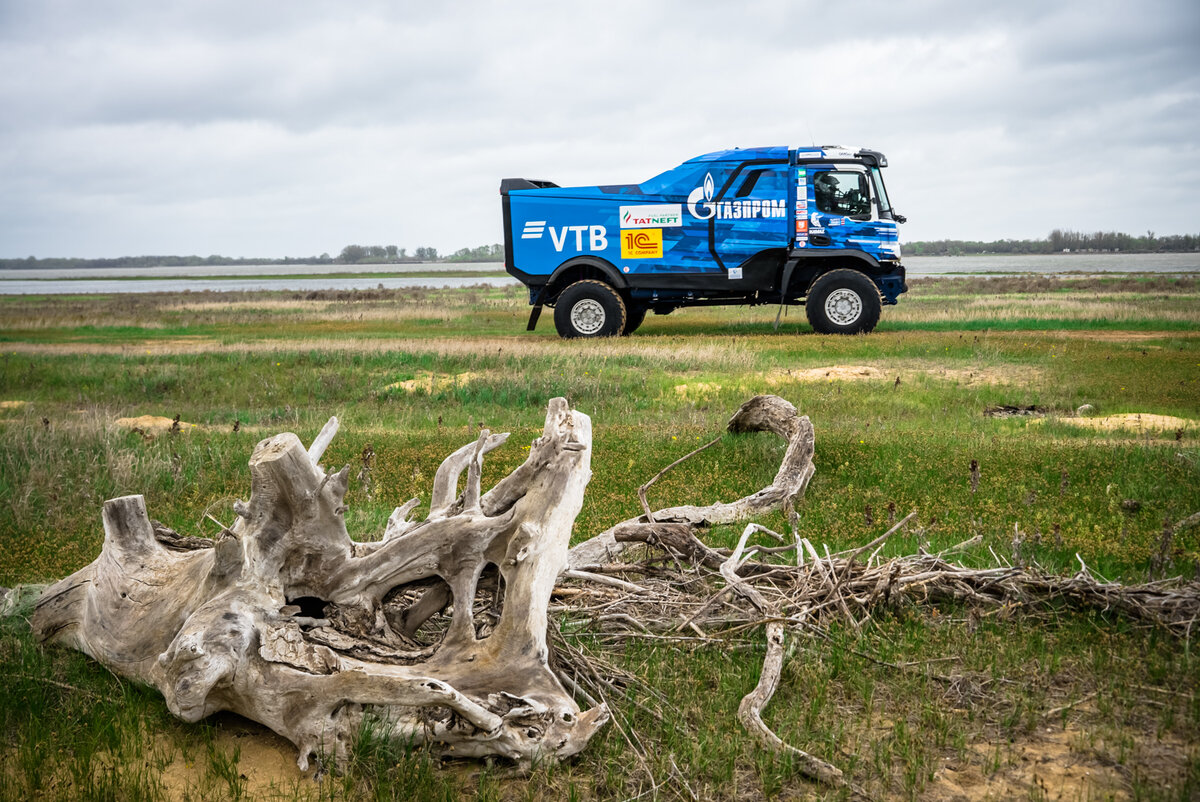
(290, 129)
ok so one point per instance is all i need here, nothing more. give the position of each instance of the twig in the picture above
(1079, 701)
(601, 579)
(642, 490)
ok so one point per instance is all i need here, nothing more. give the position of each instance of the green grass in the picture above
(270, 362)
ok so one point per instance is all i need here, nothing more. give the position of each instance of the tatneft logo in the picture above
(597, 236)
(701, 206)
(663, 215)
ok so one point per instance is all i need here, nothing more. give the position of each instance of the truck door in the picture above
(749, 215)
(843, 214)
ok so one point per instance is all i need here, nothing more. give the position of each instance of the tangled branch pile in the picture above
(682, 590)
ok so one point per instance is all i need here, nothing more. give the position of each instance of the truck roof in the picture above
(743, 154)
(780, 153)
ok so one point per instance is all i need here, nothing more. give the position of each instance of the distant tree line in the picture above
(1060, 241)
(158, 261)
(350, 255)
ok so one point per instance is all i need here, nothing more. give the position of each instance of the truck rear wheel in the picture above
(589, 308)
(843, 302)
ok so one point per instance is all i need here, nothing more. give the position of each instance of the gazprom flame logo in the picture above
(703, 192)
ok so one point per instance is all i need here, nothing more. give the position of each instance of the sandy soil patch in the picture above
(829, 373)
(1134, 421)
(12, 404)
(1055, 763)
(152, 425)
(962, 376)
(266, 766)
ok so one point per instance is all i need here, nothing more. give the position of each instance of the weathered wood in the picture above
(763, 413)
(286, 620)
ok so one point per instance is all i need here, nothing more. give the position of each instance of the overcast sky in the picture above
(254, 128)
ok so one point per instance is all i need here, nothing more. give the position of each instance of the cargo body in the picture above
(755, 226)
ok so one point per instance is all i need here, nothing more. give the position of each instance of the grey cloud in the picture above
(270, 128)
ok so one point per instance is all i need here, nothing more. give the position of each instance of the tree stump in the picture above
(435, 635)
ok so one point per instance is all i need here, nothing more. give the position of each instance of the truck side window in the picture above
(764, 181)
(842, 192)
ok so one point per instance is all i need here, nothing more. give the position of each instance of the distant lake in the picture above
(298, 277)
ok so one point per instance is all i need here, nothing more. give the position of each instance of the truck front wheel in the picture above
(843, 302)
(589, 308)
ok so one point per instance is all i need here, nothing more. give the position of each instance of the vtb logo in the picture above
(596, 240)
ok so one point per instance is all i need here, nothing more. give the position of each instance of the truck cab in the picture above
(744, 226)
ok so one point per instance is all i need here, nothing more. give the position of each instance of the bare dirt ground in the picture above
(152, 425)
(1050, 763)
(266, 766)
(1135, 422)
(1055, 763)
(965, 377)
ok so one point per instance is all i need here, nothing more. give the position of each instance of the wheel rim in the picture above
(843, 307)
(587, 316)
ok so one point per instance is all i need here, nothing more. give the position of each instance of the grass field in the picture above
(1052, 703)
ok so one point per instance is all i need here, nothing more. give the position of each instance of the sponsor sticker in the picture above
(662, 215)
(735, 273)
(802, 226)
(701, 205)
(642, 243)
(533, 229)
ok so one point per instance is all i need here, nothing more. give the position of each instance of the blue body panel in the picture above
(723, 222)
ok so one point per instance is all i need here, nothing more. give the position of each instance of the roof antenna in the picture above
(810, 133)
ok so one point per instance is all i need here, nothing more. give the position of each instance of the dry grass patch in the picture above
(434, 382)
(261, 305)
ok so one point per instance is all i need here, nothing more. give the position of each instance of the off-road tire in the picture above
(635, 313)
(843, 302)
(589, 308)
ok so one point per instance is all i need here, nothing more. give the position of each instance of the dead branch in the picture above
(763, 413)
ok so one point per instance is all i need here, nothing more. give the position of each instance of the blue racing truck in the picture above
(775, 225)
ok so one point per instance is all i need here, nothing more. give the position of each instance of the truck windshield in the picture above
(842, 192)
(885, 206)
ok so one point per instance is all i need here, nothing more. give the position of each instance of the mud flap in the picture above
(534, 314)
(783, 287)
